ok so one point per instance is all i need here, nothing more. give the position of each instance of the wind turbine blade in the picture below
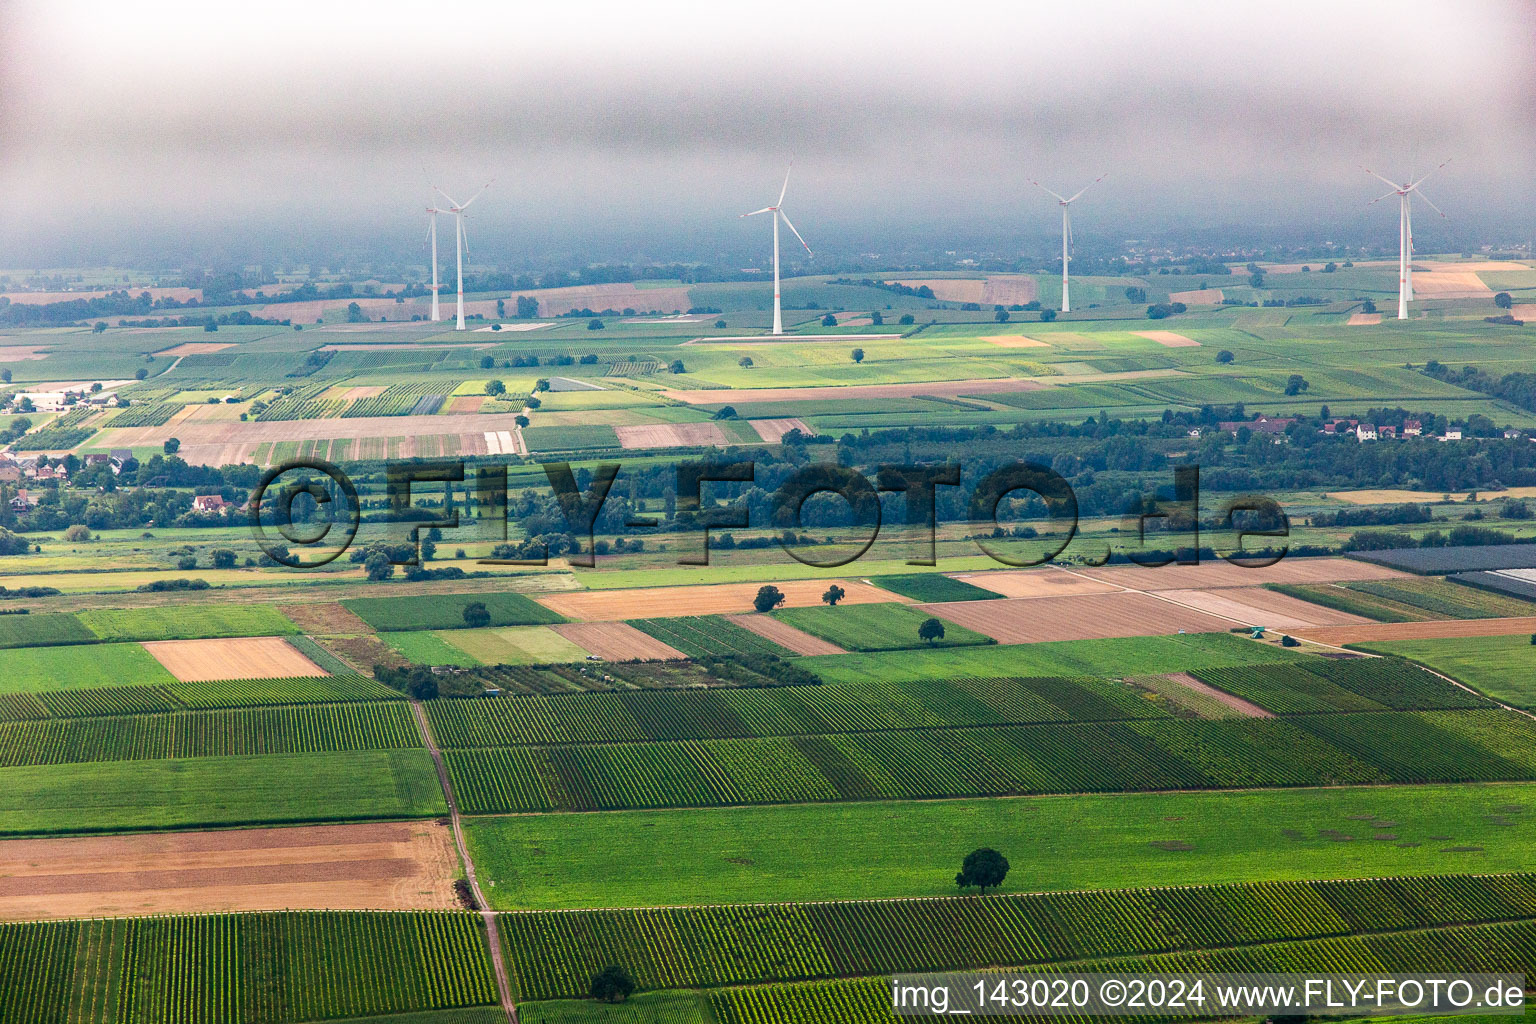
(463, 235)
(786, 186)
(1389, 181)
(797, 234)
(1088, 186)
(1378, 199)
(766, 209)
(1432, 205)
(477, 195)
(1042, 188)
(1420, 181)
(445, 195)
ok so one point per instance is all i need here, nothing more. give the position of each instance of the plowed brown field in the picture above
(785, 635)
(1255, 606)
(713, 599)
(260, 657)
(1090, 617)
(1437, 630)
(1224, 574)
(617, 641)
(385, 866)
(1046, 582)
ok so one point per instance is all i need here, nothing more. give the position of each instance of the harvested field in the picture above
(1015, 341)
(195, 348)
(1435, 630)
(325, 618)
(1522, 311)
(1364, 319)
(465, 404)
(1029, 583)
(21, 353)
(1449, 284)
(386, 866)
(671, 435)
(1255, 606)
(617, 641)
(773, 431)
(1088, 617)
(1168, 339)
(950, 289)
(554, 301)
(1244, 708)
(1010, 290)
(263, 657)
(785, 635)
(712, 599)
(1198, 297)
(947, 389)
(1224, 574)
(1390, 497)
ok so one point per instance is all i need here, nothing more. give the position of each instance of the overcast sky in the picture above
(650, 126)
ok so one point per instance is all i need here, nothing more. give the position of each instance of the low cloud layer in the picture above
(606, 125)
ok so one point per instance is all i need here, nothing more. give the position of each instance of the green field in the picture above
(931, 587)
(702, 635)
(881, 849)
(446, 611)
(187, 622)
(1503, 667)
(36, 669)
(875, 627)
(513, 645)
(426, 648)
(218, 791)
(1121, 657)
(43, 629)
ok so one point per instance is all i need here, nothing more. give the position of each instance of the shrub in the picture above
(78, 533)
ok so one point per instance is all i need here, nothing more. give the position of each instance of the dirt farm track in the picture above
(387, 866)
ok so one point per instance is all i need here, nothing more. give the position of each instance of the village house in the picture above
(210, 503)
(1386, 432)
(1452, 434)
(1366, 431)
(23, 501)
(1412, 428)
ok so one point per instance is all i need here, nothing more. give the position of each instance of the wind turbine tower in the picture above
(457, 209)
(432, 213)
(778, 214)
(1066, 235)
(1405, 193)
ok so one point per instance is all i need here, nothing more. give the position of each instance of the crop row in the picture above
(223, 693)
(1003, 760)
(401, 399)
(1365, 684)
(553, 954)
(154, 414)
(241, 968)
(1490, 948)
(700, 635)
(781, 711)
(373, 725)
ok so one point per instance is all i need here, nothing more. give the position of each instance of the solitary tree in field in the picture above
(719, 323)
(5, 375)
(858, 355)
(676, 366)
(495, 387)
(906, 319)
(745, 362)
(768, 598)
(984, 868)
(834, 594)
(1502, 300)
(486, 362)
(931, 630)
(1368, 306)
(612, 984)
(1001, 316)
(223, 558)
(1224, 356)
(378, 566)
(1295, 384)
(476, 616)
(829, 321)
(1047, 315)
(172, 445)
(138, 374)
(520, 420)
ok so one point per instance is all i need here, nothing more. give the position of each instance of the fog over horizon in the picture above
(166, 132)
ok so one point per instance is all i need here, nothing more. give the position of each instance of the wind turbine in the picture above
(432, 213)
(1404, 193)
(1066, 234)
(457, 209)
(778, 214)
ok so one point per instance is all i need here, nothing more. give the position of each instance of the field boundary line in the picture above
(492, 934)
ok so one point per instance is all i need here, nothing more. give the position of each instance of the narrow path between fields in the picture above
(492, 935)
